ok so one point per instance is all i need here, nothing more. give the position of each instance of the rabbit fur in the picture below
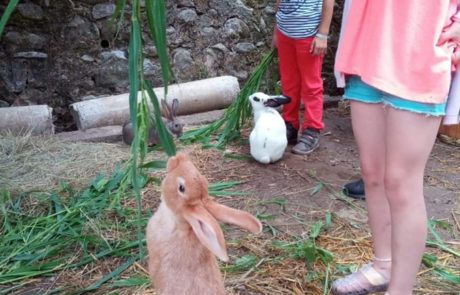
(268, 139)
(169, 118)
(184, 235)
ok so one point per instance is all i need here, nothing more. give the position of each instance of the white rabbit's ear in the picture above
(207, 230)
(276, 101)
(165, 111)
(233, 216)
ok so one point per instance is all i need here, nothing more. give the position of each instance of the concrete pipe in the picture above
(37, 119)
(194, 97)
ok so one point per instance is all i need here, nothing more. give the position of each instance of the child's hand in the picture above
(451, 33)
(318, 46)
(274, 40)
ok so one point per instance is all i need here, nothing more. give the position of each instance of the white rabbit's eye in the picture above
(256, 99)
(181, 188)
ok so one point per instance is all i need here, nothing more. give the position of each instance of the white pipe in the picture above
(194, 97)
(37, 119)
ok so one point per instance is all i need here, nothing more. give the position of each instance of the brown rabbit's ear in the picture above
(165, 111)
(233, 216)
(175, 107)
(207, 230)
(173, 162)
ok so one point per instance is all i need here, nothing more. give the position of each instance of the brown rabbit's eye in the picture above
(181, 188)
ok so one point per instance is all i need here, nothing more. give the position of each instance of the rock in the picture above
(87, 58)
(183, 63)
(221, 47)
(114, 54)
(241, 75)
(244, 47)
(187, 15)
(113, 73)
(262, 25)
(213, 12)
(93, 1)
(30, 11)
(235, 28)
(19, 73)
(269, 10)
(31, 54)
(260, 44)
(103, 10)
(208, 33)
(236, 7)
(170, 30)
(185, 3)
(211, 61)
(150, 51)
(4, 104)
(26, 40)
(80, 31)
(150, 69)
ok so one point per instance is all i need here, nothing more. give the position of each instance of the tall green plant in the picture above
(238, 112)
(141, 92)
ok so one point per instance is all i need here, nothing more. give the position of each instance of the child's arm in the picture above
(319, 45)
(453, 102)
(274, 39)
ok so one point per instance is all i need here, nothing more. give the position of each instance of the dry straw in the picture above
(40, 163)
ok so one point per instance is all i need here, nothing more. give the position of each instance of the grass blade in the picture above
(156, 18)
(166, 139)
(6, 15)
(113, 274)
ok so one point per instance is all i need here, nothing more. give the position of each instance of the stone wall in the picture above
(59, 52)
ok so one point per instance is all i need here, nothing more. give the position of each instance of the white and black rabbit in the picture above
(268, 137)
(169, 118)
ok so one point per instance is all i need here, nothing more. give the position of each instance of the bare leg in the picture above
(369, 129)
(368, 121)
(409, 140)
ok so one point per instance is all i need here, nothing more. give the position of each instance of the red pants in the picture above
(301, 79)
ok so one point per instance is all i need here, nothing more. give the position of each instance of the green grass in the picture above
(44, 234)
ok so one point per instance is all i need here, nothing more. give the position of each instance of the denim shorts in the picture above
(357, 90)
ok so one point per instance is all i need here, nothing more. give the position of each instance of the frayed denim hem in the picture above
(386, 103)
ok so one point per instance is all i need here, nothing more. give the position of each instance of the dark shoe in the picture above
(308, 142)
(291, 133)
(355, 190)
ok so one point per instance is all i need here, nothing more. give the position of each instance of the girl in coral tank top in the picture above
(397, 59)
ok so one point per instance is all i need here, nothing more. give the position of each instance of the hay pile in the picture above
(40, 163)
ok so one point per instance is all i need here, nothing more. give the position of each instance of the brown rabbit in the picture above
(183, 235)
(169, 117)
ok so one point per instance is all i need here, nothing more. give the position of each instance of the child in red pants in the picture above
(301, 33)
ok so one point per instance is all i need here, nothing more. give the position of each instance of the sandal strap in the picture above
(309, 137)
(382, 259)
(373, 276)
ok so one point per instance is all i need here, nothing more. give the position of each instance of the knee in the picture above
(402, 187)
(372, 175)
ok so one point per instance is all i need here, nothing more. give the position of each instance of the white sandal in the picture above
(376, 282)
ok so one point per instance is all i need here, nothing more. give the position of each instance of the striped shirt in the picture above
(299, 18)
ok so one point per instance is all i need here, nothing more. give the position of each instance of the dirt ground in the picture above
(335, 163)
(292, 194)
